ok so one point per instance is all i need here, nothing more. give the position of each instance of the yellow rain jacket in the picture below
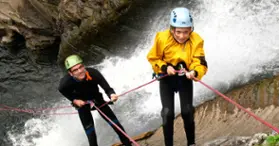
(167, 50)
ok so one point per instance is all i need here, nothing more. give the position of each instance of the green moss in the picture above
(272, 140)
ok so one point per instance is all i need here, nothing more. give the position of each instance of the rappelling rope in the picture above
(31, 111)
(238, 105)
(117, 127)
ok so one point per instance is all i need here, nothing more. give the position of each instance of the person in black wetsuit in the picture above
(81, 85)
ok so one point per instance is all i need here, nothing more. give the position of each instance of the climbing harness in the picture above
(181, 72)
(157, 76)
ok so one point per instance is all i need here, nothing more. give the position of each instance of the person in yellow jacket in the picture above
(178, 49)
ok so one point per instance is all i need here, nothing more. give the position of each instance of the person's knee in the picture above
(188, 112)
(89, 129)
(167, 114)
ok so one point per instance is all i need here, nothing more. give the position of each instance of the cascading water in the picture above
(240, 45)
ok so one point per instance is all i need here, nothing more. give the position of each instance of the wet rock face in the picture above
(42, 23)
(229, 141)
(34, 20)
(256, 139)
(24, 84)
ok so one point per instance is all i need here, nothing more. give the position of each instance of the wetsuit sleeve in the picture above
(199, 64)
(66, 90)
(155, 55)
(103, 83)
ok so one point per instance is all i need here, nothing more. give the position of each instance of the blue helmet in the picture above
(181, 17)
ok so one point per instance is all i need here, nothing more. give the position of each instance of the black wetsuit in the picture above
(88, 90)
(168, 86)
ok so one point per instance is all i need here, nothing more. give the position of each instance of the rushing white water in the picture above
(241, 41)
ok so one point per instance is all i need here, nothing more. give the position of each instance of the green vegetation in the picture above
(272, 140)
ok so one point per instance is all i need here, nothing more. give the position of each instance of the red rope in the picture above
(34, 111)
(136, 88)
(236, 104)
(145, 84)
(214, 90)
(239, 106)
(118, 128)
(39, 111)
(3, 109)
(17, 109)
